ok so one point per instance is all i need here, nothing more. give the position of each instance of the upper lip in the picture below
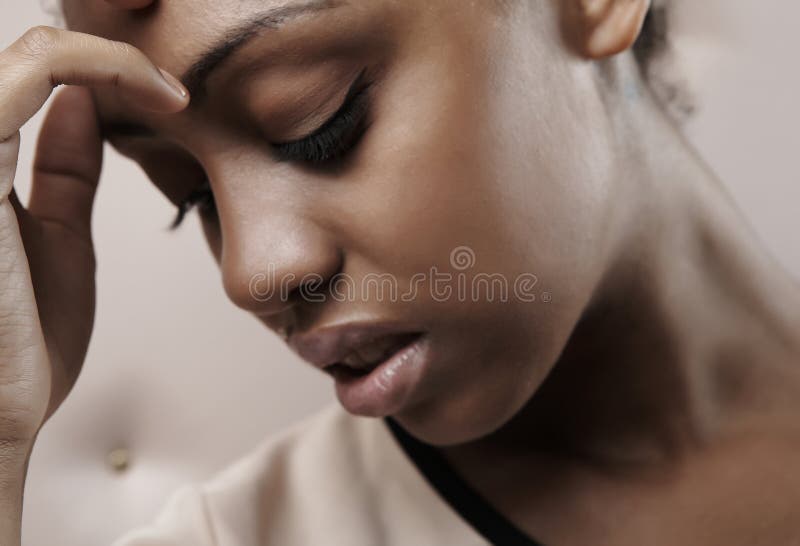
(324, 347)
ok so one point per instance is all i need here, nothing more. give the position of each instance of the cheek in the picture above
(426, 185)
(517, 174)
(463, 164)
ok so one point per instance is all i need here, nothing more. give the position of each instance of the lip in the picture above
(324, 347)
(386, 387)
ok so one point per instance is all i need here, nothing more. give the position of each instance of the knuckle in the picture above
(38, 41)
(125, 51)
(18, 428)
(122, 48)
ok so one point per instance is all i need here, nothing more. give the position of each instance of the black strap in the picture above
(465, 500)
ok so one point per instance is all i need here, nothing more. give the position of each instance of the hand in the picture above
(46, 254)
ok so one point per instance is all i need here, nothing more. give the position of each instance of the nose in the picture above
(274, 261)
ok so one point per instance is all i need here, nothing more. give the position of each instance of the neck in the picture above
(692, 336)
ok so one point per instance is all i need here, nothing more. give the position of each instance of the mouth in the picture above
(362, 360)
(376, 368)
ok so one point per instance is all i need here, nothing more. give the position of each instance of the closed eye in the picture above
(330, 143)
(337, 136)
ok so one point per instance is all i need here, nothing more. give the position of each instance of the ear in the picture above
(602, 28)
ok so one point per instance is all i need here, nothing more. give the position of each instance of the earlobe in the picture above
(602, 28)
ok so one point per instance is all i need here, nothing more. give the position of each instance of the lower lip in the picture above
(385, 390)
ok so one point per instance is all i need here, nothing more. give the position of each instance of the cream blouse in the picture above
(332, 479)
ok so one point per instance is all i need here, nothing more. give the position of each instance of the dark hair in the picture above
(653, 38)
(656, 61)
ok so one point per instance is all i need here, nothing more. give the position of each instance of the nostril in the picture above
(311, 289)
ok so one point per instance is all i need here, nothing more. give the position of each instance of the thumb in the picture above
(68, 161)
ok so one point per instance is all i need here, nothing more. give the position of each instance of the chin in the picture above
(451, 419)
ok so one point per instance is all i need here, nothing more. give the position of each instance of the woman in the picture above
(579, 342)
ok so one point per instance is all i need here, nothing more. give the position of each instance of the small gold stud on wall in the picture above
(119, 459)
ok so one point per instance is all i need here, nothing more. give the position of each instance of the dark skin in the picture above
(653, 401)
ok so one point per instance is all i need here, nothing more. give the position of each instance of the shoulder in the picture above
(332, 478)
(329, 459)
(287, 477)
(287, 460)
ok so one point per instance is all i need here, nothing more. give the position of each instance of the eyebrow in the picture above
(200, 71)
(197, 75)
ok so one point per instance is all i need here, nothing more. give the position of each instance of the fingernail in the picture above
(173, 82)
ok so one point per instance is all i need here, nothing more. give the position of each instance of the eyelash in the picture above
(201, 199)
(328, 144)
(336, 137)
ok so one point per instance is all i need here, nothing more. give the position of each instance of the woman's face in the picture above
(455, 183)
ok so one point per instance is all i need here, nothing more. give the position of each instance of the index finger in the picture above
(45, 57)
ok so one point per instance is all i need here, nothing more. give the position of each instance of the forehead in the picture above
(173, 32)
(187, 37)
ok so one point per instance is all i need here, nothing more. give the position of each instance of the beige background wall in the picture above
(186, 383)
(741, 59)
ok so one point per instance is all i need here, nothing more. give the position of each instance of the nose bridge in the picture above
(272, 238)
(266, 258)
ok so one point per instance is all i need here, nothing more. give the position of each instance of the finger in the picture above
(46, 57)
(9, 152)
(22, 344)
(69, 158)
